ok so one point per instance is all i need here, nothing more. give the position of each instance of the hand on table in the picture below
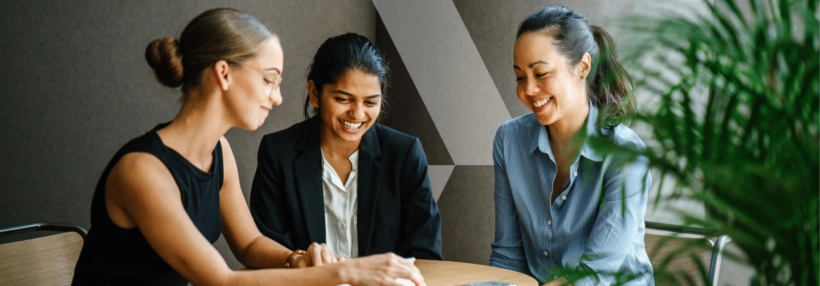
(558, 282)
(382, 269)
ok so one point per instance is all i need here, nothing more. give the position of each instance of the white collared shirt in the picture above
(341, 202)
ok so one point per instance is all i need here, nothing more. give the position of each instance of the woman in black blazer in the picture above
(339, 178)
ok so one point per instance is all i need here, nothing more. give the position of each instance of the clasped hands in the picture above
(316, 255)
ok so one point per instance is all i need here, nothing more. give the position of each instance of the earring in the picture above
(582, 76)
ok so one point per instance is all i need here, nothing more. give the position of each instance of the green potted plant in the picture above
(735, 126)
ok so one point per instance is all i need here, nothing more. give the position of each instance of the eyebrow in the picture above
(349, 94)
(532, 64)
(274, 69)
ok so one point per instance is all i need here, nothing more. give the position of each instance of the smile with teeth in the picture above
(351, 125)
(541, 102)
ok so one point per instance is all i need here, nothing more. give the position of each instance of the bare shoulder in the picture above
(225, 145)
(138, 180)
(229, 162)
(140, 174)
(227, 152)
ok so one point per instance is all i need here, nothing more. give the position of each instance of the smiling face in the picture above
(348, 107)
(547, 84)
(255, 90)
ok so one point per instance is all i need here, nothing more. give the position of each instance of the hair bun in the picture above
(163, 56)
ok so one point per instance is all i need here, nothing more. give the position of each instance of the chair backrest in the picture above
(46, 260)
(679, 260)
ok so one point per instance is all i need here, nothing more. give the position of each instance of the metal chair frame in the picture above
(42, 226)
(718, 245)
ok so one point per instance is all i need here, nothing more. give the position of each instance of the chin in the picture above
(351, 137)
(252, 126)
(247, 127)
(344, 135)
(544, 119)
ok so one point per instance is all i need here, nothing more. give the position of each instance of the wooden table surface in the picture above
(449, 273)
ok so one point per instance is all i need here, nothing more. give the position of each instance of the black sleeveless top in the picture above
(113, 255)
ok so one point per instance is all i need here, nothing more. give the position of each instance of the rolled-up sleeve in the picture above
(507, 249)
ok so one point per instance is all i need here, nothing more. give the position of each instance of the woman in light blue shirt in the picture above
(559, 203)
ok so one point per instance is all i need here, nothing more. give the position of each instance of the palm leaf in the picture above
(736, 126)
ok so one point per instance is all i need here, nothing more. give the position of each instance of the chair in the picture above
(47, 260)
(685, 255)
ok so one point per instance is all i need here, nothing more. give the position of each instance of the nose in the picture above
(276, 97)
(531, 88)
(357, 111)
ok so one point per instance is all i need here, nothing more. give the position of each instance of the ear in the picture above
(312, 93)
(222, 71)
(584, 65)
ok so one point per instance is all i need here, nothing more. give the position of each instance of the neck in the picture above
(564, 130)
(196, 129)
(334, 147)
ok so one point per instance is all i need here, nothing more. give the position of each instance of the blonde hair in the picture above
(217, 34)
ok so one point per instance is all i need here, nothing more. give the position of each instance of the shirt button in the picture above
(575, 174)
(344, 194)
(549, 222)
(564, 198)
(546, 253)
(343, 226)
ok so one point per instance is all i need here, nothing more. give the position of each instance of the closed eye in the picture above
(540, 75)
(371, 103)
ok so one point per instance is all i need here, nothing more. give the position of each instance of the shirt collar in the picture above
(541, 142)
(354, 160)
(591, 131)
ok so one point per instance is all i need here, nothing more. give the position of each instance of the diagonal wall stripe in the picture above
(439, 175)
(448, 73)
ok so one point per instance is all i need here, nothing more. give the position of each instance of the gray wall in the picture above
(75, 87)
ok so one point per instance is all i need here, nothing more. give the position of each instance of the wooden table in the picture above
(449, 273)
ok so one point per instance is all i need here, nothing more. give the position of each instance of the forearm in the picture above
(263, 252)
(503, 261)
(422, 238)
(421, 221)
(328, 275)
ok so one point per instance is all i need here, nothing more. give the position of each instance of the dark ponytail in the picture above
(609, 86)
(609, 83)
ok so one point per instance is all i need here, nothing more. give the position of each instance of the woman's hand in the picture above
(382, 269)
(316, 255)
(558, 282)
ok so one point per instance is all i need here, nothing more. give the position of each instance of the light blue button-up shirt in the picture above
(599, 215)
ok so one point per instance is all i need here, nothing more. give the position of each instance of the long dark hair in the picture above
(341, 54)
(609, 86)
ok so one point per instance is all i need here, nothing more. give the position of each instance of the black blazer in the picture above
(396, 209)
